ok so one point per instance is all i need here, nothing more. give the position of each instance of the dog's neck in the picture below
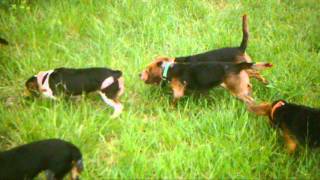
(274, 108)
(165, 69)
(43, 83)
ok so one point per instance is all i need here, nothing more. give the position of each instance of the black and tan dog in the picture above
(298, 123)
(56, 157)
(202, 76)
(67, 81)
(228, 54)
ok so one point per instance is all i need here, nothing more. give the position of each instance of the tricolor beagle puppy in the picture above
(202, 76)
(227, 54)
(68, 81)
(298, 123)
(56, 157)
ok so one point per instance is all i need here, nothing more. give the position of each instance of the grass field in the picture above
(212, 136)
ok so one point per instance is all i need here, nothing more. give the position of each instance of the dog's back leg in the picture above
(239, 85)
(117, 106)
(256, 74)
(110, 94)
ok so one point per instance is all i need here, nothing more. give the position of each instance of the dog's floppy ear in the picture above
(262, 109)
(159, 60)
(31, 83)
(159, 63)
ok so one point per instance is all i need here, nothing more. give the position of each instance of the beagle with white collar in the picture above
(68, 81)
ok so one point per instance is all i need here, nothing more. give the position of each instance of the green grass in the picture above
(212, 136)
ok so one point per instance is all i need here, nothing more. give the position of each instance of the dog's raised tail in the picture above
(245, 35)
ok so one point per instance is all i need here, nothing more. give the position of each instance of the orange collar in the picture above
(275, 107)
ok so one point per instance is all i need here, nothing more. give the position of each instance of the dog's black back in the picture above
(77, 81)
(204, 76)
(26, 161)
(223, 55)
(227, 54)
(303, 122)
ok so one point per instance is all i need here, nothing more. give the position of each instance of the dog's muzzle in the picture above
(143, 76)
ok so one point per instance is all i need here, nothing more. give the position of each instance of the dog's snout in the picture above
(142, 76)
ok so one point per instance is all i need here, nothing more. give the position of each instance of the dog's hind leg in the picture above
(239, 85)
(110, 91)
(116, 105)
(246, 98)
(255, 74)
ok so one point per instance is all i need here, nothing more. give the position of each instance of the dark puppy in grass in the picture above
(56, 157)
(202, 76)
(227, 54)
(70, 82)
(298, 123)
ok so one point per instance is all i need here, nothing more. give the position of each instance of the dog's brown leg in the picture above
(257, 75)
(117, 106)
(290, 141)
(178, 90)
(246, 98)
(239, 85)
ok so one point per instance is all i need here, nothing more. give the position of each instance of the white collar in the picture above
(44, 87)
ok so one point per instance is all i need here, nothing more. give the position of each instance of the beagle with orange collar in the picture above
(67, 81)
(298, 123)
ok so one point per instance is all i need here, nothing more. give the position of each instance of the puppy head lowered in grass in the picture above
(32, 87)
(153, 73)
(267, 109)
